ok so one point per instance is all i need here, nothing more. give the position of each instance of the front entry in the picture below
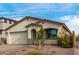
(33, 35)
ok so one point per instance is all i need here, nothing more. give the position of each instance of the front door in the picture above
(33, 33)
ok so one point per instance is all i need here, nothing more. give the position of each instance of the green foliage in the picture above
(59, 41)
(40, 35)
(64, 41)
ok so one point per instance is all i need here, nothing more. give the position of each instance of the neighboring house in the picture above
(5, 23)
(24, 31)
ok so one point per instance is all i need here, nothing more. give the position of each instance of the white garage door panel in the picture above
(19, 38)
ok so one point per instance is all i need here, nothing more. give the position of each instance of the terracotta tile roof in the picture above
(7, 19)
(20, 21)
(39, 20)
(44, 20)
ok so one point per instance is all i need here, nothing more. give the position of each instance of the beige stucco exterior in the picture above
(21, 25)
(52, 25)
(4, 25)
(23, 30)
(19, 28)
(7, 24)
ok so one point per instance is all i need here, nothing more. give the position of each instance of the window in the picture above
(51, 33)
(54, 33)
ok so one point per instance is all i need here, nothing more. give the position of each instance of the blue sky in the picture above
(67, 13)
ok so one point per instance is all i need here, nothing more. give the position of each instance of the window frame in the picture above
(51, 34)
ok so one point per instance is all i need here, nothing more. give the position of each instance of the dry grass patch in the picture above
(34, 52)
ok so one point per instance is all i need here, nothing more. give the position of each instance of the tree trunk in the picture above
(73, 39)
(39, 44)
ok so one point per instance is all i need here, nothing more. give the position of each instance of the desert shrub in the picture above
(34, 53)
(64, 41)
(59, 41)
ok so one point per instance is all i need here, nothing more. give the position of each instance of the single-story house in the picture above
(25, 31)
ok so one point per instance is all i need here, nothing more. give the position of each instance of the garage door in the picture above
(19, 37)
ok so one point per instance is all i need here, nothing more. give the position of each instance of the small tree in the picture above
(40, 35)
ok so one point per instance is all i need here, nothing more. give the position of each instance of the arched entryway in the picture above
(33, 36)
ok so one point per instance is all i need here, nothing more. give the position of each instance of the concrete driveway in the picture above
(23, 50)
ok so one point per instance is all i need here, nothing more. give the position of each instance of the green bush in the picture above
(64, 42)
(59, 42)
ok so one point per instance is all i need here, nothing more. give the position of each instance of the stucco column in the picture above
(8, 38)
(29, 36)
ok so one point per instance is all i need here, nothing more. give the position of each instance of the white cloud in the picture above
(72, 22)
(43, 7)
(66, 18)
(75, 21)
(27, 9)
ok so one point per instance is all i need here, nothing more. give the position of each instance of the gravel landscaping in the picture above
(24, 49)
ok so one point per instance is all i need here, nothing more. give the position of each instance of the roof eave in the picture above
(67, 28)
